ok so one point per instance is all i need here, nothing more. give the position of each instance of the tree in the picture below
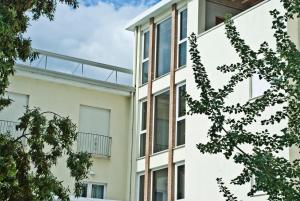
(25, 168)
(278, 177)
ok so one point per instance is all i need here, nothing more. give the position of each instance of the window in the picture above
(145, 59)
(181, 113)
(258, 86)
(163, 48)
(160, 185)
(92, 190)
(161, 122)
(180, 184)
(94, 120)
(182, 39)
(143, 127)
(141, 188)
(219, 20)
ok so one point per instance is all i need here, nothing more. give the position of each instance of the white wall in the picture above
(202, 170)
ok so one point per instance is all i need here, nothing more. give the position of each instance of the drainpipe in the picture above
(131, 145)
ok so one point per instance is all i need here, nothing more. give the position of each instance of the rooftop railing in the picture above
(9, 127)
(80, 67)
(94, 144)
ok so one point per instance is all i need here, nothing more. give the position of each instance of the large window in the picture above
(181, 113)
(180, 182)
(141, 188)
(161, 122)
(160, 185)
(182, 39)
(163, 47)
(143, 126)
(91, 190)
(145, 57)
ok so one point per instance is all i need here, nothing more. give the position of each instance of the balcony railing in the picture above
(54, 62)
(94, 144)
(9, 127)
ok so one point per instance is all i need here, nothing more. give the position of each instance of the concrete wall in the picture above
(66, 100)
(202, 170)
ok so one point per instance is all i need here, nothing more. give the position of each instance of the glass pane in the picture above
(160, 185)
(180, 182)
(163, 52)
(146, 45)
(145, 72)
(161, 122)
(183, 24)
(181, 132)
(98, 191)
(144, 116)
(83, 192)
(181, 101)
(141, 188)
(142, 144)
(182, 54)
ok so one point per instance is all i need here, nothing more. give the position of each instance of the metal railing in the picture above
(94, 144)
(9, 127)
(80, 67)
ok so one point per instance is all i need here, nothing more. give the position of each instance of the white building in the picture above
(168, 165)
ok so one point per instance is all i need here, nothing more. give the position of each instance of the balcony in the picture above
(99, 145)
(9, 127)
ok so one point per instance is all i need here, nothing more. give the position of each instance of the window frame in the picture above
(176, 180)
(177, 119)
(180, 41)
(144, 60)
(141, 132)
(153, 118)
(89, 189)
(152, 173)
(155, 49)
(139, 184)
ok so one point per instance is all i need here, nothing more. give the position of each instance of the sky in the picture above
(95, 31)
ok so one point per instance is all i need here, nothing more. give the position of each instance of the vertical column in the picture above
(147, 182)
(172, 109)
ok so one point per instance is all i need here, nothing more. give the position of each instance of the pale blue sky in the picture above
(94, 31)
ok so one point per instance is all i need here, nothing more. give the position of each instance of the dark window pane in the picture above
(83, 192)
(183, 24)
(182, 54)
(161, 122)
(180, 182)
(160, 185)
(146, 45)
(163, 52)
(144, 116)
(142, 144)
(145, 72)
(181, 132)
(141, 188)
(181, 101)
(98, 191)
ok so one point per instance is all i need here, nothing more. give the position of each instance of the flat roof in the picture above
(150, 12)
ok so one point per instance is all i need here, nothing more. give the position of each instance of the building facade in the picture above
(168, 165)
(100, 107)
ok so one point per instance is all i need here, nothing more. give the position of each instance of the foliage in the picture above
(229, 133)
(26, 161)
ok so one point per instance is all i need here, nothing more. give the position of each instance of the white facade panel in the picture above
(159, 160)
(202, 170)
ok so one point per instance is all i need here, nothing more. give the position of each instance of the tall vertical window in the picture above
(182, 39)
(161, 122)
(160, 185)
(181, 113)
(180, 186)
(145, 57)
(163, 47)
(143, 126)
(141, 188)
